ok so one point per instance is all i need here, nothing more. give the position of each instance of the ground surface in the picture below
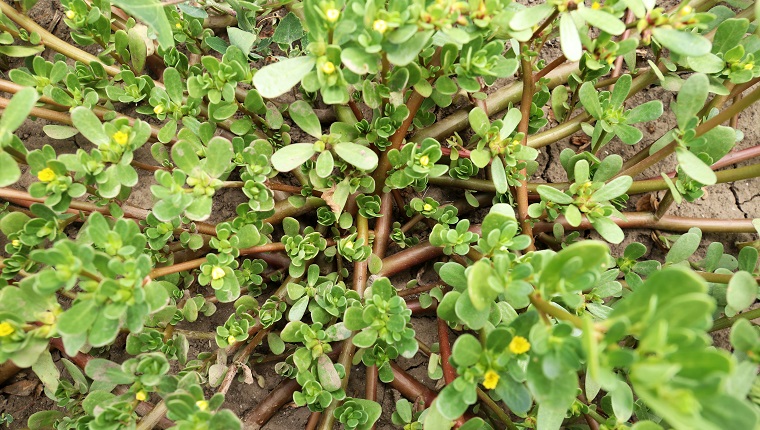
(22, 396)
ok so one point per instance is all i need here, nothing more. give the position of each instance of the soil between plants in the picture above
(22, 395)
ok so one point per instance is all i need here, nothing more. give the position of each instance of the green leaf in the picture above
(615, 188)
(466, 350)
(499, 176)
(622, 402)
(325, 164)
(648, 111)
(17, 110)
(10, 173)
(174, 85)
(360, 156)
(695, 167)
(554, 195)
(479, 121)
(327, 374)
(405, 53)
(288, 30)
(481, 293)
(607, 228)
(20, 51)
(79, 318)
(60, 132)
(89, 125)
(152, 13)
(682, 42)
(590, 99)
(691, 98)
(244, 39)
(530, 16)
(292, 156)
(592, 256)
(569, 38)
(684, 247)
(742, 290)
(359, 61)
(728, 34)
(303, 115)
(628, 134)
(276, 79)
(602, 20)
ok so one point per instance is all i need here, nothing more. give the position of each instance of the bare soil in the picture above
(22, 396)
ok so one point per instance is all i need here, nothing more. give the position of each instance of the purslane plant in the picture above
(290, 196)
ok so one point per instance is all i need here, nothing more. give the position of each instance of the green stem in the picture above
(559, 313)
(667, 223)
(727, 322)
(503, 416)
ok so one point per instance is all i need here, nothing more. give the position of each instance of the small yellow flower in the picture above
(332, 14)
(380, 26)
(6, 329)
(202, 404)
(121, 138)
(686, 10)
(349, 245)
(595, 5)
(427, 207)
(46, 175)
(749, 66)
(158, 110)
(217, 273)
(519, 345)
(231, 339)
(328, 68)
(178, 25)
(610, 60)
(424, 161)
(492, 379)
(70, 14)
(16, 243)
(141, 395)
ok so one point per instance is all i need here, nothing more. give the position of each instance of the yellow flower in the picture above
(492, 378)
(349, 245)
(217, 273)
(424, 161)
(158, 110)
(178, 25)
(121, 138)
(686, 10)
(70, 14)
(595, 5)
(332, 14)
(202, 404)
(380, 26)
(519, 345)
(749, 66)
(328, 68)
(46, 175)
(231, 339)
(16, 243)
(427, 207)
(141, 395)
(6, 329)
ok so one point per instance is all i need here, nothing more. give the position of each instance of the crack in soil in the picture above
(736, 200)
